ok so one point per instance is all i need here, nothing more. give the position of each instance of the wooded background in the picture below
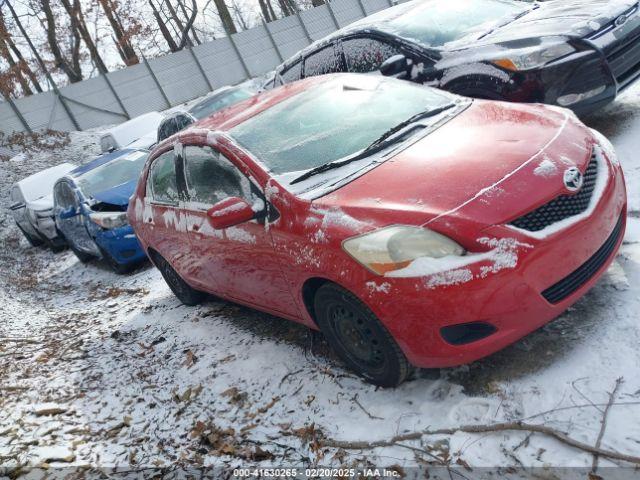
(197, 65)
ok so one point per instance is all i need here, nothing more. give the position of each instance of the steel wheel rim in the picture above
(356, 337)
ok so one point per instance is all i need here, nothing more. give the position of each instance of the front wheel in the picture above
(359, 338)
(181, 289)
(33, 241)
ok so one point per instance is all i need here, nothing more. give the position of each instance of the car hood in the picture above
(117, 195)
(491, 164)
(568, 18)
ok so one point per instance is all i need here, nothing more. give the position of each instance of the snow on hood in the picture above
(118, 195)
(569, 18)
(481, 165)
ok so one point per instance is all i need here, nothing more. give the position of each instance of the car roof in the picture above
(42, 182)
(226, 119)
(99, 161)
(370, 24)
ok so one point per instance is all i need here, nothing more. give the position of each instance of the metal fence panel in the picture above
(373, 6)
(318, 21)
(136, 89)
(9, 122)
(288, 35)
(45, 111)
(94, 92)
(179, 77)
(346, 11)
(220, 62)
(257, 50)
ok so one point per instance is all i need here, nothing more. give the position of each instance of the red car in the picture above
(411, 226)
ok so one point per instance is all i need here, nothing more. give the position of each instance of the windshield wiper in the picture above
(379, 144)
(511, 20)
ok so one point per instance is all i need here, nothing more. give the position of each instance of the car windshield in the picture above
(332, 121)
(116, 172)
(209, 106)
(435, 23)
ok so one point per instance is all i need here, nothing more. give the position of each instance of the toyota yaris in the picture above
(411, 226)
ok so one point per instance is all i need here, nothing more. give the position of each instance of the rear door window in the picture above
(322, 62)
(364, 55)
(211, 177)
(163, 180)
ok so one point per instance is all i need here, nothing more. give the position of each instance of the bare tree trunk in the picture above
(317, 3)
(75, 13)
(225, 17)
(186, 15)
(173, 46)
(14, 66)
(192, 19)
(271, 10)
(178, 22)
(284, 8)
(13, 71)
(71, 70)
(35, 52)
(127, 53)
(265, 11)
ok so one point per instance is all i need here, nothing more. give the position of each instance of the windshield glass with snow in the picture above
(332, 121)
(211, 105)
(112, 174)
(434, 23)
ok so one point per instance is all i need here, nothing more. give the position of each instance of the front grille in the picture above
(564, 206)
(625, 62)
(582, 275)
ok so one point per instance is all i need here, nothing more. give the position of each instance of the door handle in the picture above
(195, 227)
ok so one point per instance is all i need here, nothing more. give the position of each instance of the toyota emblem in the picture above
(573, 179)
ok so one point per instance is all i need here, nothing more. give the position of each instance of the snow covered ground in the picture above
(103, 370)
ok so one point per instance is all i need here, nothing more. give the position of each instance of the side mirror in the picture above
(393, 66)
(230, 212)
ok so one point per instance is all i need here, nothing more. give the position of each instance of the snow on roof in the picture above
(41, 184)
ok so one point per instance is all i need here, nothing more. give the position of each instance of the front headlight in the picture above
(394, 248)
(535, 58)
(109, 220)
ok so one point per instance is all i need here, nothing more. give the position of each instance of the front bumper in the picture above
(604, 66)
(121, 244)
(511, 299)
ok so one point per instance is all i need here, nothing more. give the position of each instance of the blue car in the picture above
(90, 209)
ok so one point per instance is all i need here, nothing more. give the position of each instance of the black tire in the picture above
(82, 256)
(359, 338)
(181, 289)
(33, 241)
(119, 268)
(56, 245)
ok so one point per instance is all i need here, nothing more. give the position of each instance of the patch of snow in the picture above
(374, 287)
(546, 168)
(240, 235)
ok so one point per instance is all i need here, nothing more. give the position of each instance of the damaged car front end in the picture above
(90, 209)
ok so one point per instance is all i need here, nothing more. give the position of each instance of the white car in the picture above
(32, 206)
(139, 132)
